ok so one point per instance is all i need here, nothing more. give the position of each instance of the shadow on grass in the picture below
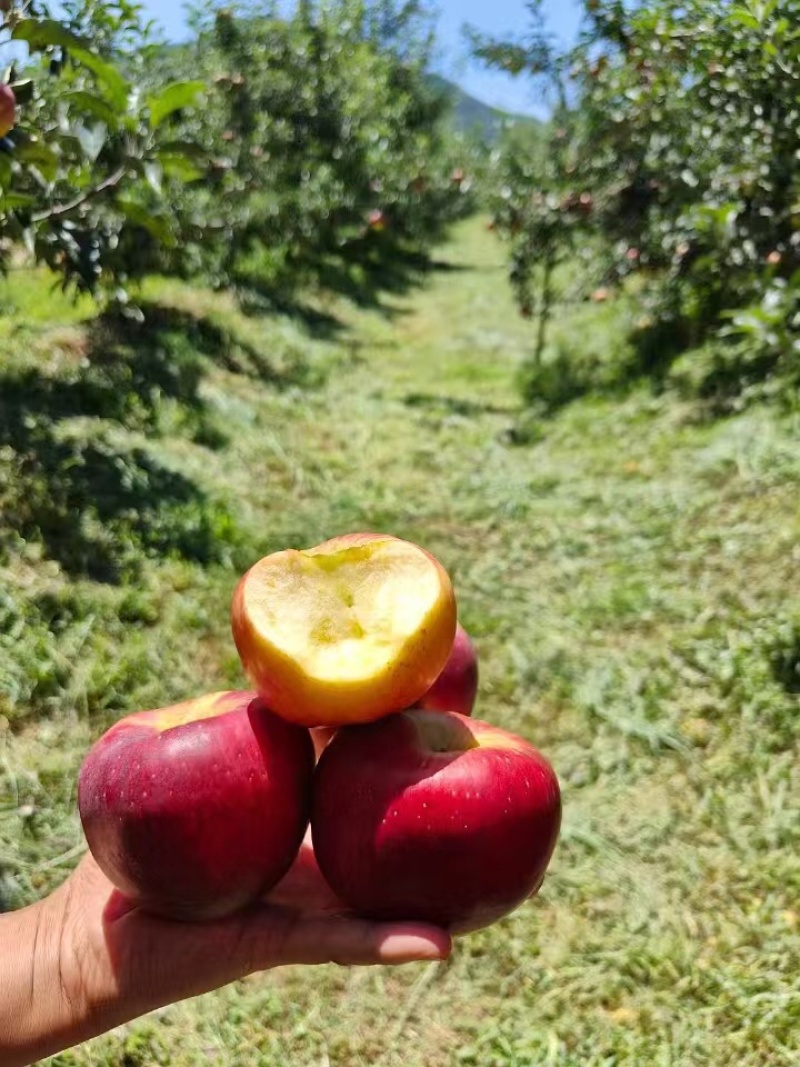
(455, 405)
(364, 273)
(257, 298)
(169, 351)
(97, 505)
(369, 273)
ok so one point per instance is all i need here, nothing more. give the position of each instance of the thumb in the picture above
(278, 936)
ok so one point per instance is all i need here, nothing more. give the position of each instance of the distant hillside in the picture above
(470, 115)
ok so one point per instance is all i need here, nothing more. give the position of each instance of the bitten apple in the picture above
(457, 686)
(433, 816)
(349, 631)
(196, 810)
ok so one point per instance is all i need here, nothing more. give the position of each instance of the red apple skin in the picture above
(196, 820)
(8, 109)
(456, 688)
(457, 838)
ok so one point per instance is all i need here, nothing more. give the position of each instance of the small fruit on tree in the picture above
(8, 109)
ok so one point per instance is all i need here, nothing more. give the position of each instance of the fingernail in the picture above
(408, 948)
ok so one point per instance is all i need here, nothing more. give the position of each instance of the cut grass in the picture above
(630, 581)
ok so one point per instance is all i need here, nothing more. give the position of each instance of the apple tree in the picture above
(85, 169)
(672, 156)
(326, 137)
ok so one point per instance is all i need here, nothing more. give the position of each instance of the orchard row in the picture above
(266, 152)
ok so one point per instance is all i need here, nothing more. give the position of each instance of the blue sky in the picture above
(500, 17)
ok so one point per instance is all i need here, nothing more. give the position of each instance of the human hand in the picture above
(101, 961)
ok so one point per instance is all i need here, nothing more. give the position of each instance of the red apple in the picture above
(196, 810)
(435, 817)
(8, 109)
(457, 686)
(349, 631)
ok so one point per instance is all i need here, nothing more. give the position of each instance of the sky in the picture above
(498, 17)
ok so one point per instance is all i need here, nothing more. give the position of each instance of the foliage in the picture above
(678, 126)
(327, 137)
(317, 148)
(85, 171)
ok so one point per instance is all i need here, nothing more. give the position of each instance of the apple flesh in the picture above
(196, 810)
(346, 632)
(435, 817)
(457, 686)
(454, 690)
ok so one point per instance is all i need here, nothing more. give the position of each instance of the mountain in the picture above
(471, 115)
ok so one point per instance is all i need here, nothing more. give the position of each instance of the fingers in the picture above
(280, 937)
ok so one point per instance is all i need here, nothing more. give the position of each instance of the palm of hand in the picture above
(117, 961)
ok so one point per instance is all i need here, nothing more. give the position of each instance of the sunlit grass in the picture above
(631, 584)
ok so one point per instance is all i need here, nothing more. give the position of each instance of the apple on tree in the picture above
(196, 810)
(8, 109)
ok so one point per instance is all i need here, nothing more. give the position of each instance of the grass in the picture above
(630, 578)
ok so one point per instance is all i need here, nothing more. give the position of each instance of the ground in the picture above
(630, 580)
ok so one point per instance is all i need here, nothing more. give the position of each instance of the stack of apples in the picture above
(359, 724)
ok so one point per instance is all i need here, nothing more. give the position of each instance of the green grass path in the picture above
(631, 581)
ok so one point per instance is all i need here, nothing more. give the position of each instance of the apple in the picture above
(349, 631)
(8, 109)
(434, 817)
(196, 810)
(457, 686)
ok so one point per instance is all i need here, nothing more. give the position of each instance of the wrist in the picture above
(48, 1003)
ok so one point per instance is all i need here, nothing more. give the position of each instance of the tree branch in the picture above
(71, 205)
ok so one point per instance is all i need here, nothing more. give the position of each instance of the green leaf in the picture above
(178, 166)
(189, 150)
(745, 18)
(141, 216)
(5, 170)
(172, 99)
(41, 34)
(92, 104)
(30, 150)
(14, 201)
(153, 173)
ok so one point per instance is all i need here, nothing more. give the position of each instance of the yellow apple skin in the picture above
(296, 682)
(196, 810)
